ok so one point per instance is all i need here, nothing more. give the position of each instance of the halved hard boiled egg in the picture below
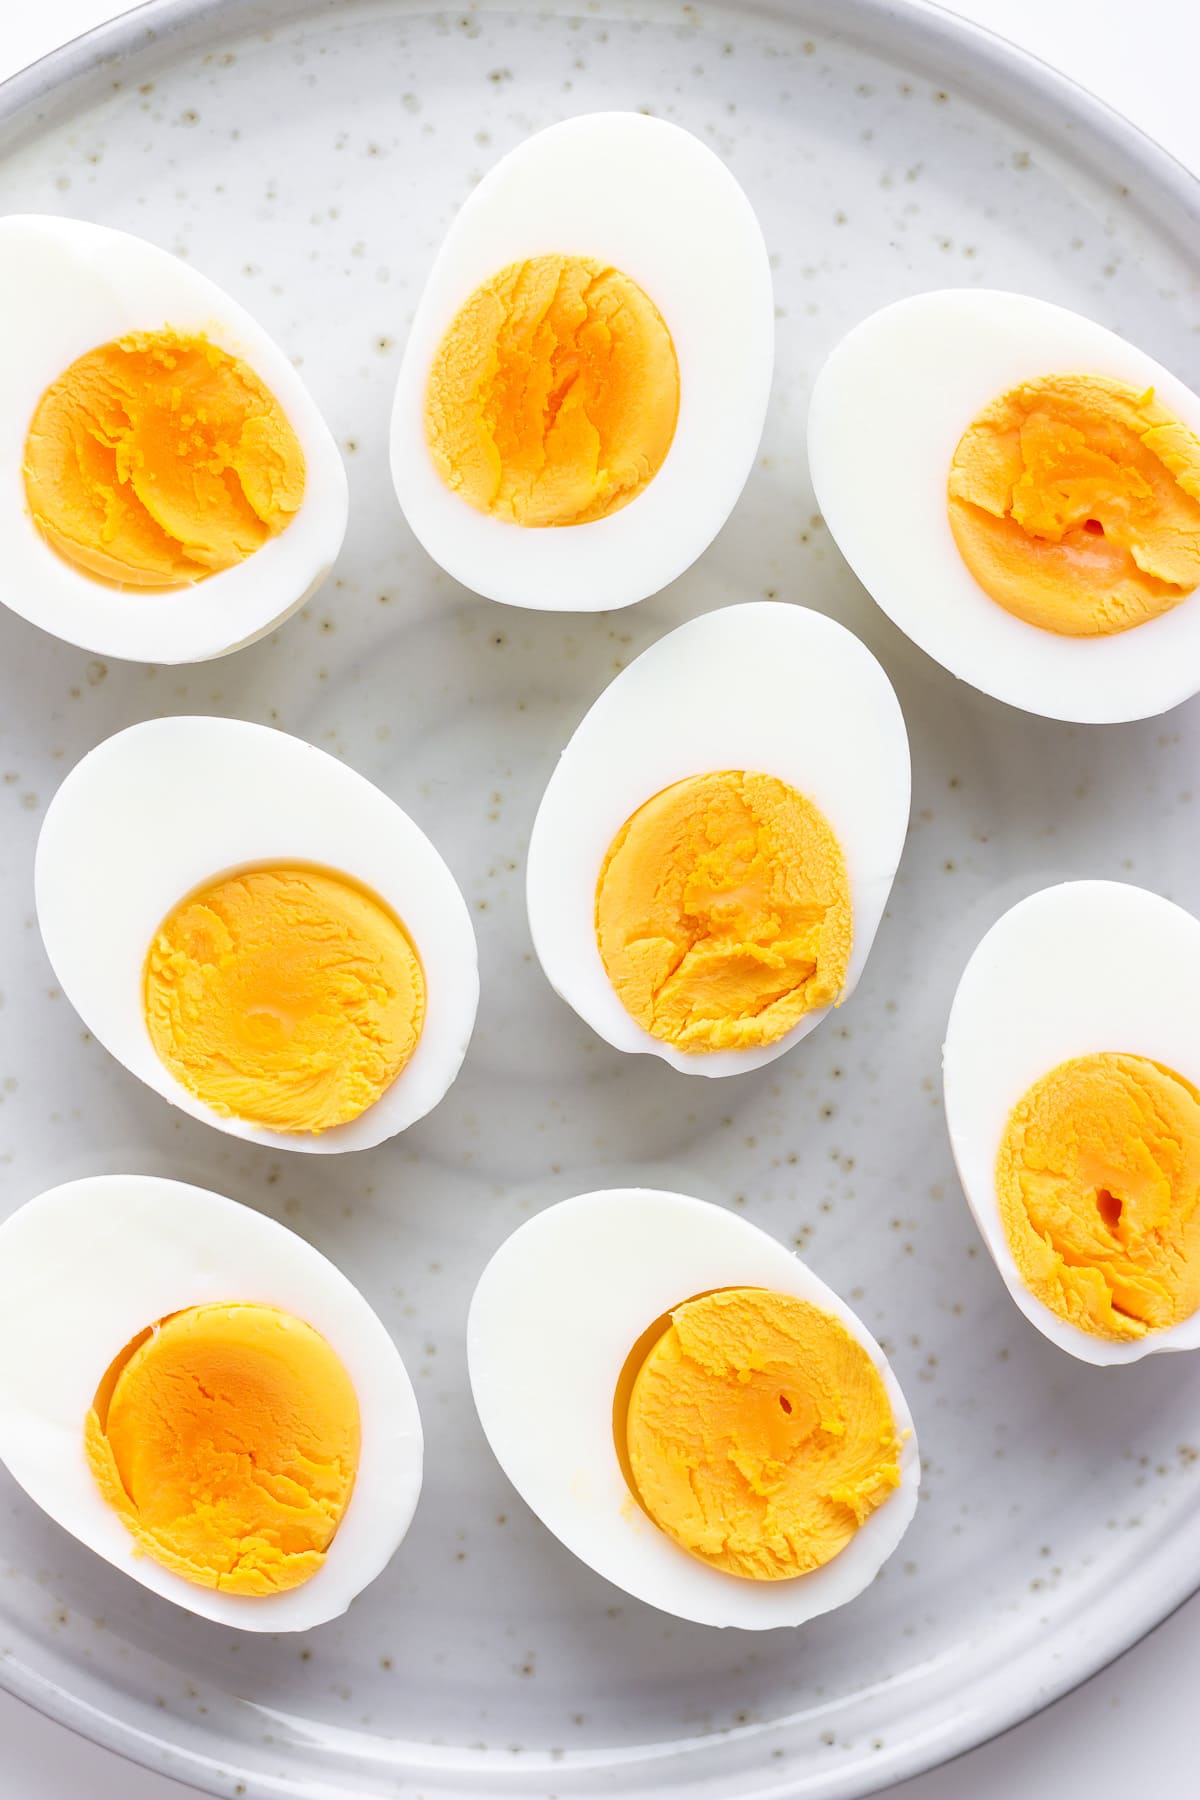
(714, 851)
(690, 1410)
(201, 1398)
(257, 933)
(168, 489)
(1019, 489)
(1072, 1072)
(586, 378)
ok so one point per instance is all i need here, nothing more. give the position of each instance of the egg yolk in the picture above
(156, 460)
(227, 1438)
(1098, 1184)
(553, 396)
(289, 997)
(1075, 504)
(723, 912)
(758, 1435)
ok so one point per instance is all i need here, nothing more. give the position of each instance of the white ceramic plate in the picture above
(309, 157)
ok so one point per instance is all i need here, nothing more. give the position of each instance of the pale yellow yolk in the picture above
(227, 1440)
(1075, 503)
(289, 997)
(1098, 1183)
(156, 459)
(553, 396)
(723, 912)
(759, 1434)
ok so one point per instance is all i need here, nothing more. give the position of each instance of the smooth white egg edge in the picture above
(691, 240)
(886, 415)
(553, 1319)
(223, 794)
(81, 285)
(85, 1267)
(726, 690)
(1043, 986)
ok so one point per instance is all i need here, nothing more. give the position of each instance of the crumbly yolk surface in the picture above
(1075, 503)
(759, 1434)
(553, 397)
(227, 1440)
(289, 997)
(723, 912)
(156, 460)
(1098, 1183)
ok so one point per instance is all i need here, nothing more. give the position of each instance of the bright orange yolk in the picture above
(723, 912)
(1098, 1184)
(1075, 503)
(227, 1440)
(553, 396)
(156, 460)
(759, 1435)
(289, 997)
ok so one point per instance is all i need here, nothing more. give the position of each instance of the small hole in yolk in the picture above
(1094, 527)
(785, 1403)
(1109, 1208)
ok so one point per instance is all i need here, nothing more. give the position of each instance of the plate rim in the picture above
(1169, 192)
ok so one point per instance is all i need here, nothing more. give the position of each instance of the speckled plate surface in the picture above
(309, 157)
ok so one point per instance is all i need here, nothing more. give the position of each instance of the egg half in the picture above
(1072, 1082)
(164, 809)
(766, 688)
(122, 359)
(554, 1319)
(674, 257)
(888, 412)
(87, 1268)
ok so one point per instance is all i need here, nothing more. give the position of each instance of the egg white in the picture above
(87, 1266)
(654, 202)
(70, 286)
(163, 807)
(765, 687)
(887, 413)
(554, 1317)
(1074, 970)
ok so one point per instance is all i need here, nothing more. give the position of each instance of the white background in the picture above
(1131, 1729)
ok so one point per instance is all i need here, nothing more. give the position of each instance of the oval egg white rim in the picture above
(44, 1326)
(165, 769)
(712, 1248)
(619, 560)
(1083, 681)
(101, 283)
(697, 667)
(1170, 927)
